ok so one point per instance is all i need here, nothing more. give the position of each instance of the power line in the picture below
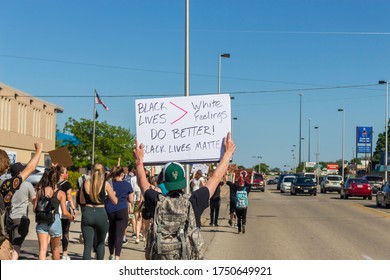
(150, 70)
(208, 93)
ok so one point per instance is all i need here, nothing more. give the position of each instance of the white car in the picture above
(286, 183)
(332, 183)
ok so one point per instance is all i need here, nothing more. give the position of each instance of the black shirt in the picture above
(235, 187)
(199, 200)
(217, 194)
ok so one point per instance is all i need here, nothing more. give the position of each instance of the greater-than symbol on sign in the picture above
(185, 112)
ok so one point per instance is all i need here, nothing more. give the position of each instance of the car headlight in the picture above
(298, 187)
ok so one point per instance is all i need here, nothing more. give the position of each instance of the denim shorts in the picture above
(54, 229)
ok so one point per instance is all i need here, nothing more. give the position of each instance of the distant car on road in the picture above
(258, 182)
(331, 183)
(383, 196)
(280, 179)
(375, 181)
(271, 182)
(303, 185)
(358, 187)
(286, 183)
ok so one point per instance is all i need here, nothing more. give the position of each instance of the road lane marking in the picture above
(371, 210)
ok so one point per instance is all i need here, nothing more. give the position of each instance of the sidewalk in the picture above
(130, 251)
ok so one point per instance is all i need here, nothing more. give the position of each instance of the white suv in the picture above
(331, 183)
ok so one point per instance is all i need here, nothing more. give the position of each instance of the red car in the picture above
(356, 187)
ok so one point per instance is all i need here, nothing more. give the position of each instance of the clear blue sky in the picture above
(58, 49)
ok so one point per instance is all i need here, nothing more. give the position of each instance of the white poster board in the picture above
(203, 167)
(183, 129)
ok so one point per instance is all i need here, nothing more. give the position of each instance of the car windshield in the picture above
(257, 177)
(312, 176)
(359, 181)
(303, 180)
(374, 178)
(334, 178)
(289, 179)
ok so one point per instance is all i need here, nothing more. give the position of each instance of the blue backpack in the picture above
(241, 199)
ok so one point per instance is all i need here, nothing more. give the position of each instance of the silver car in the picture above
(331, 183)
(36, 176)
(383, 196)
(285, 186)
(376, 182)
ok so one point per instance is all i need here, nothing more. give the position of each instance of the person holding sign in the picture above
(175, 182)
(198, 181)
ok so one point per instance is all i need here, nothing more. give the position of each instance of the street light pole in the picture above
(225, 55)
(386, 124)
(308, 155)
(300, 128)
(258, 157)
(318, 153)
(342, 142)
(187, 70)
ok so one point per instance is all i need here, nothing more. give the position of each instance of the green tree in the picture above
(264, 168)
(111, 143)
(379, 148)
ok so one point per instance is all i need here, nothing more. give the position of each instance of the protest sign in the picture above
(202, 167)
(183, 129)
(61, 156)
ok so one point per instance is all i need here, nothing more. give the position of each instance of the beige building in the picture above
(24, 120)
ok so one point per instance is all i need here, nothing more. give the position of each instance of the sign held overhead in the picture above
(183, 129)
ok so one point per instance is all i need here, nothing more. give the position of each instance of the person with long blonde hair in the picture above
(94, 219)
(51, 232)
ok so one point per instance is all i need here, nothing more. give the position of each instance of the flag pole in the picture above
(94, 128)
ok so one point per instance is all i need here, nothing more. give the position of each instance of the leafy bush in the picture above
(73, 176)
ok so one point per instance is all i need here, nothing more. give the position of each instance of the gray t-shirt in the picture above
(21, 199)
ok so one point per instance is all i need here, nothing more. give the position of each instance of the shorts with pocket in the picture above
(54, 229)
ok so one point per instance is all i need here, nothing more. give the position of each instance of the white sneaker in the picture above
(137, 241)
(66, 258)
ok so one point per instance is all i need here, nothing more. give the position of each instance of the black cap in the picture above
(16, 168)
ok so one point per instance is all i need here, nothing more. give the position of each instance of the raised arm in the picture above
(220, 171)
(139, 153)
(30, 167)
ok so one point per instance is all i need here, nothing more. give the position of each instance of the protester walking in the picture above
(94, 219)
(215, 204)
(198, 181)
(20, 221)
(118, 216)
(7, 189)
(136, 220)
(65, 186)
(241, 191)
(176, 244)
(51, 230)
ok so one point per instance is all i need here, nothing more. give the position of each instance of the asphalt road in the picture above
(279, 227)
(302, 227)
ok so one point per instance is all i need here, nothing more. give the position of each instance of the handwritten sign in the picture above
(183, 129)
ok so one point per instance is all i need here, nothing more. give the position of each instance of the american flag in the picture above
(99, 101)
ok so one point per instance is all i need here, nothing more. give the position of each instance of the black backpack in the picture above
(44, 211)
